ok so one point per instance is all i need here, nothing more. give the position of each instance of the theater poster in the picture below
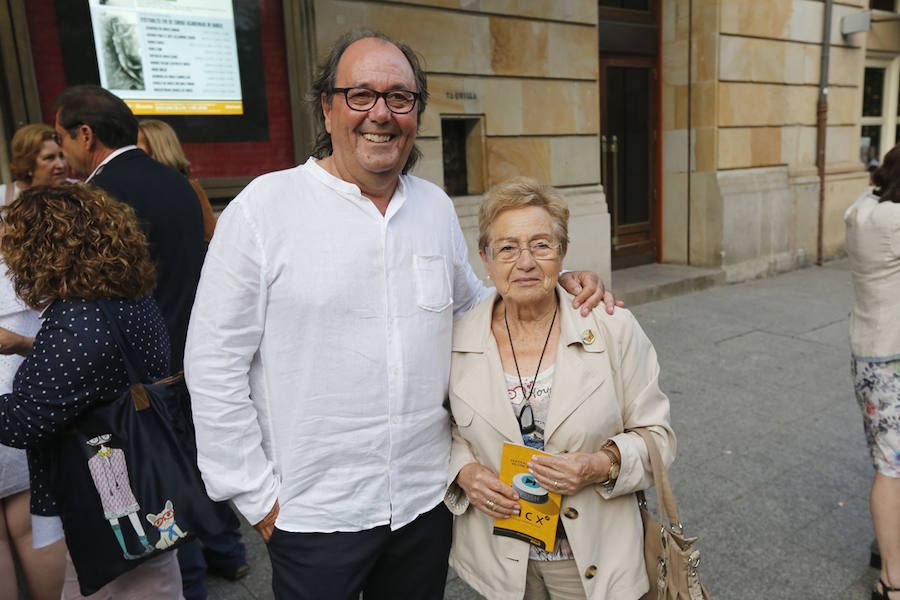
(169, 57)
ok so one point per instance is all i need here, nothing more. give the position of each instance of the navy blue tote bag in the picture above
(126, 476)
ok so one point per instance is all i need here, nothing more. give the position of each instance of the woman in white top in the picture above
(873, 243)
(36, 160)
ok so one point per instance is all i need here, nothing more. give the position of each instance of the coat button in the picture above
(590, 572)
(571, 513)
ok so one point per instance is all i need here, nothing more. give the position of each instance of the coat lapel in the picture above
(476, 355)
(573, 378)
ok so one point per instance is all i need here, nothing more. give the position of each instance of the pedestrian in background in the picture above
(66, 248)
(36, 160)
(873, 244)
(160, 142)
(98, 134)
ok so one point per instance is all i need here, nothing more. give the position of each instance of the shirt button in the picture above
(395, 371)
(393, 464)
(395, 420)
(571, 513)
(590, 572)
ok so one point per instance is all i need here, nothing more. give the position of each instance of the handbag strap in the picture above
(137, 372)
(664, 496)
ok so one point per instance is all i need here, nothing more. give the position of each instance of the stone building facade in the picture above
(680, 131)
(732, 155)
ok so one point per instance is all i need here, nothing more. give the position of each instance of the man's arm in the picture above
(588, 291)
(224, 335)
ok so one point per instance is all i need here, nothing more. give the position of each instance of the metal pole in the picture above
(822, 124)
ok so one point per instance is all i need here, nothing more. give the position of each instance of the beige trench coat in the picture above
(600, 389)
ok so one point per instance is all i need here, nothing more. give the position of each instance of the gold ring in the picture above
(556, 484)
(490, 504)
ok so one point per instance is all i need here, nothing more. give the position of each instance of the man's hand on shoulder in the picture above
(267, 525)
(588, 291)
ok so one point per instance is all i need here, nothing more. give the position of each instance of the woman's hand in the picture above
(588, 291)
(568, 475)
(486, 492)
(13, 343)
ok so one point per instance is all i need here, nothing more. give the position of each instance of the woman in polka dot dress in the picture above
(66, 247)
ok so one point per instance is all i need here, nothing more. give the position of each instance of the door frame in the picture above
(652, 246)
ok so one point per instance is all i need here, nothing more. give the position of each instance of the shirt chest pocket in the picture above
(432, 282)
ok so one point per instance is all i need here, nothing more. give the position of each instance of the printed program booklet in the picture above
(537, 521)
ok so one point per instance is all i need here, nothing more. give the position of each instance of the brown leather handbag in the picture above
(670, 558)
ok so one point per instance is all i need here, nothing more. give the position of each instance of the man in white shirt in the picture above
(318, 353)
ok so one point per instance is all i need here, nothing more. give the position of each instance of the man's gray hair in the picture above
(325, 83)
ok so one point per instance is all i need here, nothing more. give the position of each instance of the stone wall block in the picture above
(578, 11)
(765, 146)
(704, 143)
(703, 104)
(884, 36)
(574, 160)
(549, 107)
(674, 63)
(844, 106)
(798, 145)
(674, 217)
(518, 47)
(706, 220)
(675, 151)
(760, 18)
(572, 51)
(706, 16)
(751, 59)
(503, 106)
(704, 57)
(509, 157)
(431, 165)
(436, 34)
(842, 144)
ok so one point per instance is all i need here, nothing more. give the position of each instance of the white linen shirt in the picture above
(318, 353)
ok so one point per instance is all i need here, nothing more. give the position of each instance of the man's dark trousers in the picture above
(409, 563)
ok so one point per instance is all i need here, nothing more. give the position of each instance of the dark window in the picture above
(873, 87)
(453, 134)
(869, 144)
(629, 4)
(882, 5)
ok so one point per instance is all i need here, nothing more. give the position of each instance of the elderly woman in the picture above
(527, 368)
(873, 244)
(67, 247)
(37, 159)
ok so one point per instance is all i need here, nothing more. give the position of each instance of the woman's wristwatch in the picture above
(614, 464)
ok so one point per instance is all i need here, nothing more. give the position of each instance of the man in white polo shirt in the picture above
(318, 354)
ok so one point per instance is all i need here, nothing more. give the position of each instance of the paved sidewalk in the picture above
(772, 471)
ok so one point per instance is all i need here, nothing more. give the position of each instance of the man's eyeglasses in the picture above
(362, 99)
(512, 252)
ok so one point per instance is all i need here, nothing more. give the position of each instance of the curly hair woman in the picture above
(873, 244)
(66, 248)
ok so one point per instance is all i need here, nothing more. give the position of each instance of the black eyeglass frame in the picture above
(378, 96)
